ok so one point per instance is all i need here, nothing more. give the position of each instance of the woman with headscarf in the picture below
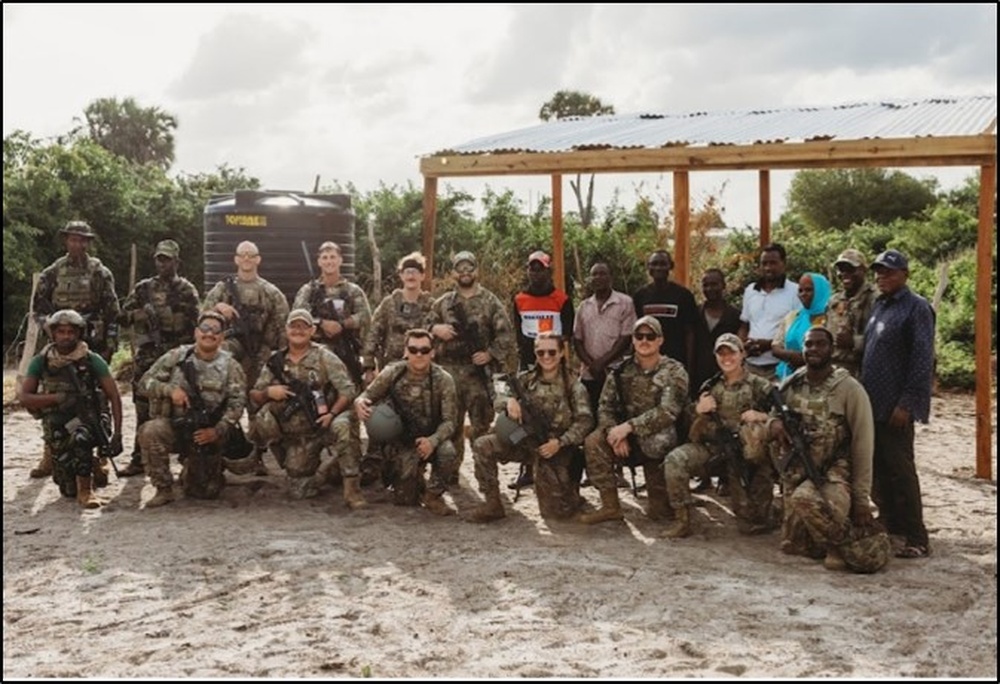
(814, 294)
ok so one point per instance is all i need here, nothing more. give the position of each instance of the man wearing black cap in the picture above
(540, 307)
(897, 370)
(162, 311)
(848, 310)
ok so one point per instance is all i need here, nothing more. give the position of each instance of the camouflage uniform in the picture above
(752, 507)
(427, 406)
(222, 386)
(266, 309)
(87, 288)
(385, 340)
(654, 400)
(69, 459)
(163, 315)
(851, 313)
(483, 311)
(565, 407)
(295, 442)
(349, 301)
(837, 420)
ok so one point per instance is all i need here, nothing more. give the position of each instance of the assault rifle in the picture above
(304, 398)
(471, 337)
(635, 455)
(796, 433)
(197, 416)
(94, 428)
(534, 423)
(242, 324)
(346, 344)
(731, 451)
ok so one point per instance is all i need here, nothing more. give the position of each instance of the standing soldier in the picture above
(255, 310)
(553, 409)
(476, 339)
(340, 309)
(304, 393)
(730, 427)
(162, 311)
(80, 282)
(849, 309)
(641, 402)
(415, 424)
(72, 379)
(197, 393)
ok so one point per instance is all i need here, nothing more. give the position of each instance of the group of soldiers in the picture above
(412, 372)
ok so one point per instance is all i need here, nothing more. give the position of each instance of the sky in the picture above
(358, 93)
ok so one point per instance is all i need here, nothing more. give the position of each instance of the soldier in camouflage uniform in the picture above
(475, 339)
(423, 395)
(255, 310)
(163, 311)
(839, 430)
(560, 405)
(80, 282)
(654, 390)
(304, 394)
(177, 425)
(406, 308)
(848, 311)
(340, 309)
(736, 401)
(72, 379)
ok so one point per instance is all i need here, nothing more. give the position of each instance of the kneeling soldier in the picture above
(196, 394)
(303, 393)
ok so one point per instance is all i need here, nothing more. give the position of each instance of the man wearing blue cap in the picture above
(897, 369)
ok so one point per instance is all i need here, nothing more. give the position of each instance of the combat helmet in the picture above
(384, 424)
(78, 228)
(65, 317)
(509, 430)
(866, 549)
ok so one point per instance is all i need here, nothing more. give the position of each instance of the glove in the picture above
(115, 447)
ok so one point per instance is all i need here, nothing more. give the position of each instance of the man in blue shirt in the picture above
(897, 369)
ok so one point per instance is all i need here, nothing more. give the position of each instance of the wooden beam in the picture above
(970, 150)
(430, 225)
(984, 322)
(764, 199)
(558, 245)
(682, 228)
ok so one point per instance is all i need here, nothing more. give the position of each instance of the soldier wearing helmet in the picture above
(555, 399)
(70, 387)
(423, 395)
(302, 399)
(80, 282)
(162, 311)
(822, 520)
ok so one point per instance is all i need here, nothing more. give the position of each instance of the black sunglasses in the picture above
(546, 352)
(418, 350)
(649, 337)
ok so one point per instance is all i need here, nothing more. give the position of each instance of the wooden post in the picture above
(558, 256)
(682, 228)
(131, 269)
(430, 218)
(31, 334)
(983, 323)
(764, 194)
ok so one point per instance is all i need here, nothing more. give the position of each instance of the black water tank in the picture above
(287, 227)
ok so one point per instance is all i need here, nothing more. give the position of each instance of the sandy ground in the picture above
(256, 585)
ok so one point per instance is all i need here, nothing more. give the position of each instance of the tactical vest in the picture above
(404, 316)
(77, 287)
(827, 432)
(213, 377)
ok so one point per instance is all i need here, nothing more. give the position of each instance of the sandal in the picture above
(913, 551)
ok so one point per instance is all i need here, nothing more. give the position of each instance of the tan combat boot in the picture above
(100, 472)
(84, 494)
(436, 505)
(682, 524)
(163, 496)
(491, 510)
(610, 509)
(352, 493)
(44, 467)
(834, 560)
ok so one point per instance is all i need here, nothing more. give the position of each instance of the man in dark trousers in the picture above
(672, 305)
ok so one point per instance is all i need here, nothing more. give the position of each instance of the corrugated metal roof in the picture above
(952, 116)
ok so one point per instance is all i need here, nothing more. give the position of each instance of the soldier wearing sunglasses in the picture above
(640, 404)
(423, 395)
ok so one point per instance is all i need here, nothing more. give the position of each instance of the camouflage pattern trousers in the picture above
(558, 494)
(297, 445)
(601, 461)
(815, 519)
(404, 471)
(472, 398)
(201, 474)
(751, 506)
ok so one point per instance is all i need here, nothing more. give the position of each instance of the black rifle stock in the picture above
(241, 325)
(728, 442)
(800, 446)
(536, 424)
(472, 338)
(97, 420)
(635, 455)
(198, 416)
(346, 344)
(303, 398)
